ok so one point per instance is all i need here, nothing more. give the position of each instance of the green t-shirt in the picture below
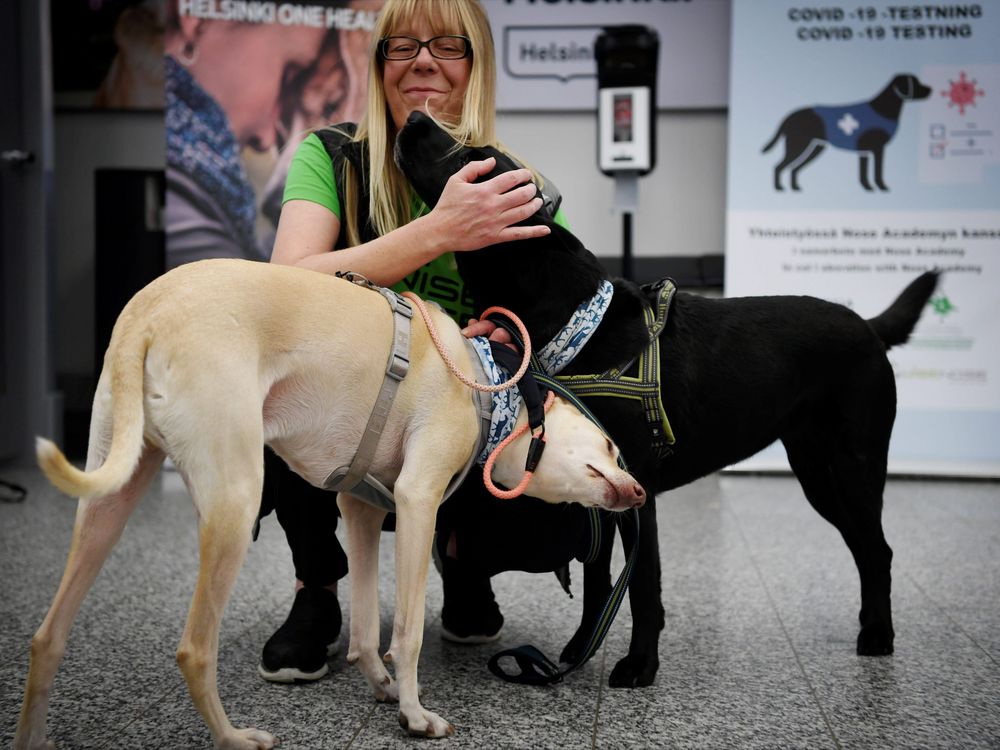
(310, 177)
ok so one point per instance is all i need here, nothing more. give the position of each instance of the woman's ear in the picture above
(190, 29)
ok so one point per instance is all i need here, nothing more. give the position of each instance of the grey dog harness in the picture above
(354, 477)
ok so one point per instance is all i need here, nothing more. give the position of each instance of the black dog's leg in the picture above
(846, 489)
(803, 131)
(872, 142)
(817, 149)
(795, 147)
(863, 171)
(638, 668)
(877, 155)
(596, 589)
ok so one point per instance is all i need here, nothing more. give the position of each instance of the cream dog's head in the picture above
(579, 464)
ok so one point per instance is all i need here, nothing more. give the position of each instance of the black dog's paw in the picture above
(574, 649)
(875, 641)
(634, 671)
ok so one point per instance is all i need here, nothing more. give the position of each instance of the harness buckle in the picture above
(399, 362)
(401, 306)
(398, 367)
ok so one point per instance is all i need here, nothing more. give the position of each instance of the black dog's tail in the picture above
(897, 322)
(770, 143)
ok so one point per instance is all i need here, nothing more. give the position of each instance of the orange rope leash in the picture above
(432, 330)
(488, 468)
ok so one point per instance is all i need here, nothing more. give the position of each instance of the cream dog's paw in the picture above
(424, 723)
(387, 691)
(43, 744)
(247, 739)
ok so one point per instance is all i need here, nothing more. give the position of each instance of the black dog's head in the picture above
(428, 156)
(909, 88)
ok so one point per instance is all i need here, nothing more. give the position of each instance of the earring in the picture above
(188, 54)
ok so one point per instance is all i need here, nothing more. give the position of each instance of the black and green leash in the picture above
(535, 667)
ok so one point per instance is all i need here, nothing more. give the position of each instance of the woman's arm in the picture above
(468, 216)
(307, 232)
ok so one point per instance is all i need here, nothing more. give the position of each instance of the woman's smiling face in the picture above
(410, 84)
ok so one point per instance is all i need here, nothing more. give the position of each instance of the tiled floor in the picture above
(761, 598)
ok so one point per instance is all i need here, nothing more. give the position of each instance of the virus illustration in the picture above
(942, 305)
(963, 93)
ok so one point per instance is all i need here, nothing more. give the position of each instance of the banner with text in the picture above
(545, 50)
(863, 150)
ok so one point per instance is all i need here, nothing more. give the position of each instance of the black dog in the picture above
(865, 127)
(736, 374)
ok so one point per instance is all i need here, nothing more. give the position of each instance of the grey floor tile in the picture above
(932, 692)
(727, 677)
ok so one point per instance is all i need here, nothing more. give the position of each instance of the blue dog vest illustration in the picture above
(845, 124)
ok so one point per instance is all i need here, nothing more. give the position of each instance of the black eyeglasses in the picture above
(450, 47)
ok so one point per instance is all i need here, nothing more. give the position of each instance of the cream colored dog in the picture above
(214, 360)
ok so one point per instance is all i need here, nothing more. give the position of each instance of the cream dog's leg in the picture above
(225, 485)
(364, 526)
(418, 490)
(414, 537)
(99, 524)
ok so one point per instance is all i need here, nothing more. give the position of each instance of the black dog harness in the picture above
(644, 386)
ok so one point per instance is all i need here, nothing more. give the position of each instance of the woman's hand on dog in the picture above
(490, 330)
(471, 215)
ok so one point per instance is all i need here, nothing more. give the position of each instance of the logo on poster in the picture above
(942, 306)
(561, 52)
(963, 93)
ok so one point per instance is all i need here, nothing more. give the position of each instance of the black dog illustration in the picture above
(865, 127)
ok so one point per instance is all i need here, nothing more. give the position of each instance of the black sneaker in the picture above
(299, 648)
(470, 614)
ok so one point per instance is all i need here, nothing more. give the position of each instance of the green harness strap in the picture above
(645, 386)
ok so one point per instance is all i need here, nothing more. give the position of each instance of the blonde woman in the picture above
(348, 208)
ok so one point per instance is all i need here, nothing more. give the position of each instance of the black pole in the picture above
(627, 271)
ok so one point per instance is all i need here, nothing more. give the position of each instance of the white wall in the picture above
(681, 203)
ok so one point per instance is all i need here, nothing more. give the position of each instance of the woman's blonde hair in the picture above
(390, 202)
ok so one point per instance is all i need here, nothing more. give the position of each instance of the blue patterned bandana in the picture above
(553, 357)
(506, 404)
(565, 345)
(201, 144)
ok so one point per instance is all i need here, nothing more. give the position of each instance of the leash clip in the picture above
(535, 449)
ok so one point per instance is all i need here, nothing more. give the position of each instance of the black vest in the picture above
(341, 148)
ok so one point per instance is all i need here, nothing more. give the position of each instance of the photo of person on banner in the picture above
(241, 93)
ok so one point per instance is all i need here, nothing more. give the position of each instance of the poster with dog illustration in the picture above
(864, 148)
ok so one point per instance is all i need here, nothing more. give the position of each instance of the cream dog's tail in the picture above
(127, 427)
